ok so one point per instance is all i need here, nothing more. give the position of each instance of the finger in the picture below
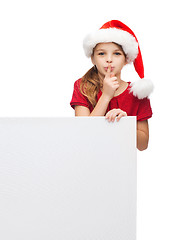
(116, 86)
(109, 119)
(108, 70)
(119, 117)
(112, 75)
(121, 114)
(108, 113)
(114, 115)
(113, 78)
(109, 116)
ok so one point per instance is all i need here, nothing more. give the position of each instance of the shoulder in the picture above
(143, 105)
(128, 93)
(77, 83)
(78, 98)
(134, 96)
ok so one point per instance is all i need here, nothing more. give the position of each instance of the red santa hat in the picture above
(117, 32)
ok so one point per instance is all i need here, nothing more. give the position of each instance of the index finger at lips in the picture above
(108, 70)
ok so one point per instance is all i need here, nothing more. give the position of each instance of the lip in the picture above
(106, 68)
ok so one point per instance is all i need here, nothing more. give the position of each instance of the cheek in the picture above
(95, 60)
(121, 62)
(99, 62)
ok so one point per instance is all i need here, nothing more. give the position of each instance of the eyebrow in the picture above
(106, 50)
(118, 50)
(100, 50)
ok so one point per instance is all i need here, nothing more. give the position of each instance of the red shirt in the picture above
(125, 101)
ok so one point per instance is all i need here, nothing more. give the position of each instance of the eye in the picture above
(101, 53)
(117, 53)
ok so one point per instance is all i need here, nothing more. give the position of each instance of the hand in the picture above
(110, 84)
(115, 113)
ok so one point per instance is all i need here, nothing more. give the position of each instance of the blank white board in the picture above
(67, 179)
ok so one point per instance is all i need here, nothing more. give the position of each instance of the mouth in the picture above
(106, 68)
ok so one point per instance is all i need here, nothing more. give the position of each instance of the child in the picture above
(102, 92)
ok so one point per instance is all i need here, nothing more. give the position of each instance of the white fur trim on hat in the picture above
(141, 88)
(121, 37)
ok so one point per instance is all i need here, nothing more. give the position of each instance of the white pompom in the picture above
(142, 88)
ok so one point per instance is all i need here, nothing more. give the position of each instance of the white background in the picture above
(41, 56)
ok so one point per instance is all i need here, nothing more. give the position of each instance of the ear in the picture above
(92, 60)
(126, 62)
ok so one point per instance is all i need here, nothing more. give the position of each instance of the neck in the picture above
(119, 78)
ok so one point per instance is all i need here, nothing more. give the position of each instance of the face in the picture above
(106, 54)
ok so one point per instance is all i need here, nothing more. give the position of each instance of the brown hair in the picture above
(90, 85)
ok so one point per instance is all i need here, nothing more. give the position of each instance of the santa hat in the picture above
(117, 32)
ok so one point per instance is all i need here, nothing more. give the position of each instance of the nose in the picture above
(109, 58)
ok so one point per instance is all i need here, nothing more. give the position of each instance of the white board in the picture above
(67, 179)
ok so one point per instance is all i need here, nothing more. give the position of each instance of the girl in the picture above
(102, 92)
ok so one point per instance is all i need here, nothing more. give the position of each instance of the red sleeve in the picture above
(77, 97)
(144, 110)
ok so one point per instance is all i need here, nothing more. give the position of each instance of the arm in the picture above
(99, 110)
(142, 135)
(110, 84)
